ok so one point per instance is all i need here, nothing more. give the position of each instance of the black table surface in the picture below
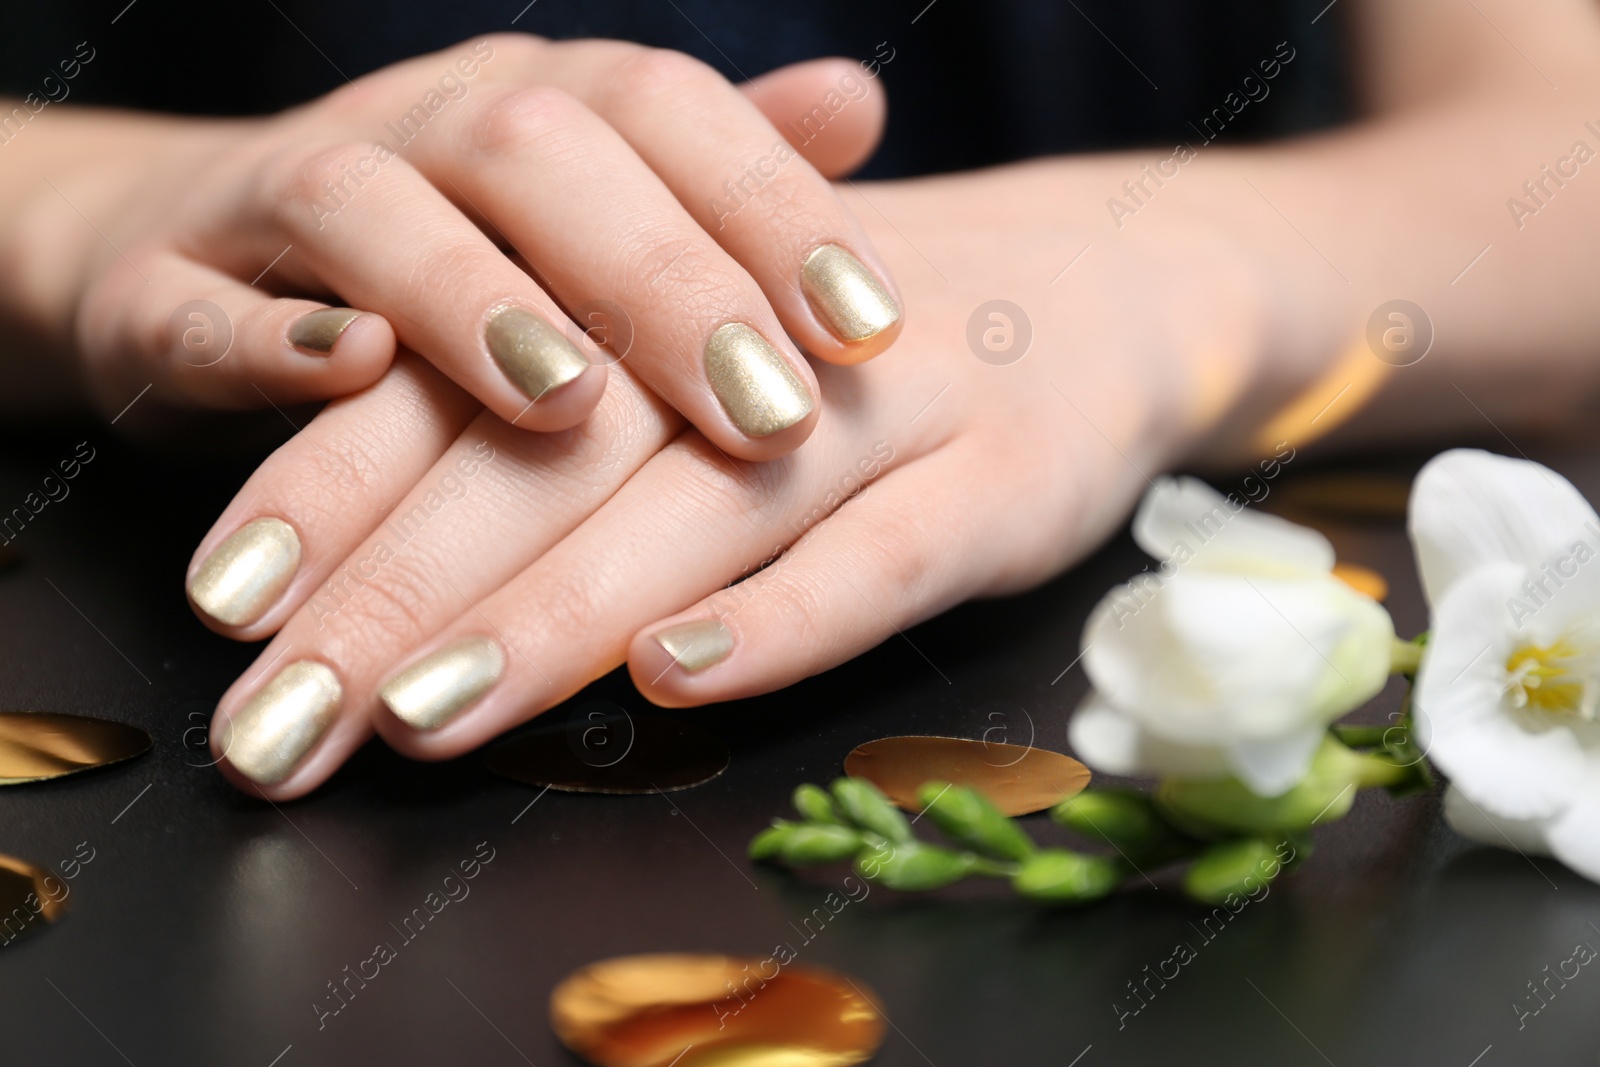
(208, 926)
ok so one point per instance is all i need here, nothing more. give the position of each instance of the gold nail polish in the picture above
(321, 330)
(435, 689)
(245, 575)
(694, 646)
(753, 381)
(533, 353)
(267, 738)
(847, 295)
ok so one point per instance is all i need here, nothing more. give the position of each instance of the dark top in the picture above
(970, 83)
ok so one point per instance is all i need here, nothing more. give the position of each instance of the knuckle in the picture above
(381, 597)
(802, 602)
(573, 600)
(899, 553)
(679, 276)
(791, 202)
(116, 317)
(719, 486)
(306, 183)
(349, 464)
(452, 265)
(536, 117)
(518, 47)
(655, 76)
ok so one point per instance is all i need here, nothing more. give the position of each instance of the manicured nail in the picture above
(267, 738)
(532, 352)
(847, 295)
(247, 573)
(694, 646)
(753, 381)
(435, 689)
(320, 330)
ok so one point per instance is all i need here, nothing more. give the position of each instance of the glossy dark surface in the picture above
(207, 926)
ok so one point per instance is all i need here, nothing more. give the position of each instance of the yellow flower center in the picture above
(1552, 678)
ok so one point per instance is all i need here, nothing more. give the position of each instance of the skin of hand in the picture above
(492, 207)
(536, 563)
(956, 465)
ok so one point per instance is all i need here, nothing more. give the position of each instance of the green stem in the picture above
(1404, 657)
(1361, 736)
(1378, 771)
(993, 868)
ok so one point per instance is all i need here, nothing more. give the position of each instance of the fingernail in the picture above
(847, 295)
(532, 352)
(247, 573)
(267, 738)
(320, 330)
(753, 381)
(435, 689)
(694, 646)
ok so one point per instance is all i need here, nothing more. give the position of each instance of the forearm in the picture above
(1433, 206)
(1463, 190)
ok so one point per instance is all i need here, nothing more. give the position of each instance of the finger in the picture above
(746, 185)
(492, 503)
(688, 523)
(917, 542)
(196, 336)
(604, 230)
(566, 618)
(786, 97)
(319, 495)
(372, 229)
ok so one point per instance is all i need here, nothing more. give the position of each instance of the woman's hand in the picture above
(636, 198)
(460, 576)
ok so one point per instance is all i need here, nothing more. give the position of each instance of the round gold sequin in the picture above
(700, 1010)
(35, 745)
(30, 897)
(1017, 779)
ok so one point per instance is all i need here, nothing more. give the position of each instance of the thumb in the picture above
(828, 109)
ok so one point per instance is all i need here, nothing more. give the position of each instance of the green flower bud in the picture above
(1225, 806)
(1115, 816)
(967, 817)
(819, 843)
(815, 805)
(1233, 869)
(912, 866)
(869, 809)
(769, 843)
(1068, 877)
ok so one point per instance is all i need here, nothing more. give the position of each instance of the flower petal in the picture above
(1470, 508)
(1184, 519)
(1574, 835)
(1464, 724)
(1475, 824)
(1272, 766)
(1112, 743)
(1272, 655)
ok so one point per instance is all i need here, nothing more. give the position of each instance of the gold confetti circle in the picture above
(36, 745)
(702, 1010)
(1017, 779)
(30, 897)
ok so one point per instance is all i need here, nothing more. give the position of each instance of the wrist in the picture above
(1268, 351)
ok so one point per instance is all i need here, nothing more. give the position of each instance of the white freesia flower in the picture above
(1234, 656)
(1507, 695)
